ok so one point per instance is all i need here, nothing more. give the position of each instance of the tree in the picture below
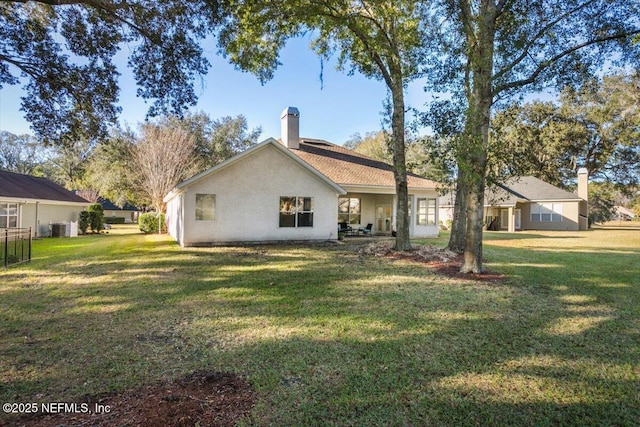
(21, 154)
(219, 139)
(418, 157)
(62, 51)
(109, 168)
(492, 50)
(163, 157)
(596, 126)
(601, 202)
(381, 40)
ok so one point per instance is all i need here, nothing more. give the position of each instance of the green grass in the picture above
(329, 337)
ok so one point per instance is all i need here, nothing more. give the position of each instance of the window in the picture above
(546, 212)
(8, 215)
(426, 212)
(296, 211)
(205, 207)
(349, 210)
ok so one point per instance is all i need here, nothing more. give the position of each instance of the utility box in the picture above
(58, 230)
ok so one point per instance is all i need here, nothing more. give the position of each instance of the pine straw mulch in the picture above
(442, 261)
(205, 399)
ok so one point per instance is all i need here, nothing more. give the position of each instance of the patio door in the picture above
(504, 219)
(383, 219)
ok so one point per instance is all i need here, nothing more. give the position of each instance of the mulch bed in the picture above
(205, 399)
(439, 260)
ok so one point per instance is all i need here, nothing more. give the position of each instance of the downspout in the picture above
(37, 224)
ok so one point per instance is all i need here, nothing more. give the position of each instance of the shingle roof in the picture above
(108, 205)
(347, 167)
(520, 189)
(535, 189)
(30, 187)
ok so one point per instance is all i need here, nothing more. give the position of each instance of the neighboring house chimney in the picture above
(290, 127)
(583, 178)
(583, 193)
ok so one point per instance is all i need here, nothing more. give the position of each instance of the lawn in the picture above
(330, 337)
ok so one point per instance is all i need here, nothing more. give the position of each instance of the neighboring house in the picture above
(27, 201)
(528, 203)
(129, 212)
(294, 189)
(623, 214)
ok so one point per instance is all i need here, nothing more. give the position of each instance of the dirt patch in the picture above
(441, 261)
(202, 399)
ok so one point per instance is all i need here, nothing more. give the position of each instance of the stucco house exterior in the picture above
(294, 189)
(528, 203)
(28, 201)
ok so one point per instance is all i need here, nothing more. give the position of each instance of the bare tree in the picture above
(163, 157)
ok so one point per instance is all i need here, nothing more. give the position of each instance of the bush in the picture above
(114, 220)
(148, 222)
(83, 221)
(96, 217)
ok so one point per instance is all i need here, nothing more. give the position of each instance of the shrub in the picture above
(114, 220)
(148, 222)
(83, 221)
(96, 217)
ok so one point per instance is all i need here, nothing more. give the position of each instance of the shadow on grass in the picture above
(331, 337)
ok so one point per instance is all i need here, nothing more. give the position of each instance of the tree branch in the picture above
(536, 37)
(546, 64)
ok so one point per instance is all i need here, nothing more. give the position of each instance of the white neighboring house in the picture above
(295, 189)
(28, 201)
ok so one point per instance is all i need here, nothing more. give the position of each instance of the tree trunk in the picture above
(459, 224)
(477, 131)
(403, 242)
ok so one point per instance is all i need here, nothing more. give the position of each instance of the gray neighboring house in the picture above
(528, 203)
(28, 201)
(129, 212)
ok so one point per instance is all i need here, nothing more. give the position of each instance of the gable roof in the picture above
(268, 142)
(520, 189)
(108, 205)
(347, 167)
(19, 186)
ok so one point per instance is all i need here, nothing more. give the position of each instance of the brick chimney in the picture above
(583, 193)
(290, 127)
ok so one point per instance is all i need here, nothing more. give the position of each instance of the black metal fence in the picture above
(15, 245)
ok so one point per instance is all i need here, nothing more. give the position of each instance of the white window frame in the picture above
(546, 212)
(352, 216)
(297, 208)
(5, 209)
(426, 211)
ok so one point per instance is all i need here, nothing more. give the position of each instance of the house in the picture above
(37, 203)
(528, 203)
(112, 212)
(294, 189)
(623, 214)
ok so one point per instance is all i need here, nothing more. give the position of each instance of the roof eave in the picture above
(269, 141)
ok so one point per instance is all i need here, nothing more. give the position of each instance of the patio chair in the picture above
(343, 227)
(366, 230)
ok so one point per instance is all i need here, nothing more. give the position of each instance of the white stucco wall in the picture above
(174, 218)
(248, 202)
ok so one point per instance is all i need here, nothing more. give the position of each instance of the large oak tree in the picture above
(382, 40)
(493, 50)
(62, 52)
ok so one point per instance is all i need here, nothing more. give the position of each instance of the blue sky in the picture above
(335, 110)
